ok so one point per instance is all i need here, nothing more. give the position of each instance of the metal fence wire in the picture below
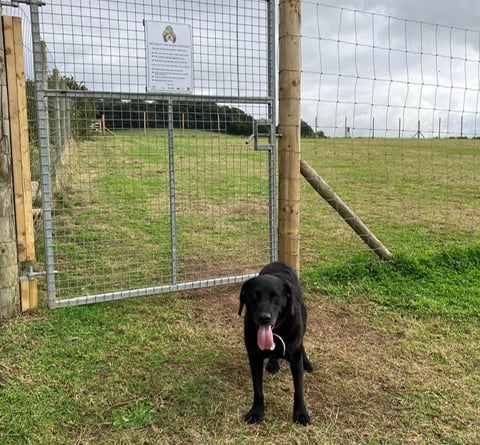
(153, 184)
(394, 104)
(161, 179)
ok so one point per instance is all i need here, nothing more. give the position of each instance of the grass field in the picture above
(112, 211)
(395, 346)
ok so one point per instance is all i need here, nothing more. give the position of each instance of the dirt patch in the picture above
(354, 377)
(376, 373)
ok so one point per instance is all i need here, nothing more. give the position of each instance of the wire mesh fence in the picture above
(393, 106)
(146, 191)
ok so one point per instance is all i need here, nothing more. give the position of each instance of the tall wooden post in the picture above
(9, 290)
(20, 152)
(289, 129)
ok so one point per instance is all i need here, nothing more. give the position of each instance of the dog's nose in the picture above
(265, 318)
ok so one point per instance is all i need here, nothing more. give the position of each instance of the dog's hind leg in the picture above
(307, 365)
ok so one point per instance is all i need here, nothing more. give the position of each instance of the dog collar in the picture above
(282, 343)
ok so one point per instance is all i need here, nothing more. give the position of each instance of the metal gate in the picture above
(154, 190)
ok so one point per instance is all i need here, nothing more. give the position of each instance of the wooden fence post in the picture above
(9, 293)
(289, 129)
(56, 129)
(20, 150)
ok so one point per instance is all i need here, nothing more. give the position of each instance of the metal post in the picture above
(173, 208)
(44, 150)
(272, 154)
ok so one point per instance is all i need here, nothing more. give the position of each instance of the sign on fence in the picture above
(169, 57)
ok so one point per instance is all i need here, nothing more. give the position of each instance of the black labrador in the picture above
(274, 328)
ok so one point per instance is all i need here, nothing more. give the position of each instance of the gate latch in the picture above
(256, 146)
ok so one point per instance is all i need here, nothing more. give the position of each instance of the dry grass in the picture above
(395, 347)
(173, 369)
(377, 379)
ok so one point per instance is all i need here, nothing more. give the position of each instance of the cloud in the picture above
(366, 67)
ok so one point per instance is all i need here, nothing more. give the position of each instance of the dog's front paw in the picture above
(253, 416)
(301, 418)
(272, 366)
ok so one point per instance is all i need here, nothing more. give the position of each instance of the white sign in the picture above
(169, 57)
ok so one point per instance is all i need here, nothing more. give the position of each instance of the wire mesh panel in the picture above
(393, 106)
(152, 191)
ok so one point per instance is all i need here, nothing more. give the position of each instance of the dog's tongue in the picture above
(265, 338)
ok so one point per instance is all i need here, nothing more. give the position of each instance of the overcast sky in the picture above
(383, 66)
(378, 64)
(460, 13)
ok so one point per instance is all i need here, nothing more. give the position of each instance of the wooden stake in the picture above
(289, 128)
(9, 290)
(324, 190)
(20, 150)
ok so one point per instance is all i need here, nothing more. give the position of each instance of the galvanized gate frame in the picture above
(42, 95)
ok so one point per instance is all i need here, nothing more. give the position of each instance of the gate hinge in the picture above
(31, 275)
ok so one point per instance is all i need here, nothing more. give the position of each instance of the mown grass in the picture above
(172, 369)
(112, 210)
(395, 345)
(446, 284)
(417, 196)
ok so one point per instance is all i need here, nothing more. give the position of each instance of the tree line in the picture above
(132, 114)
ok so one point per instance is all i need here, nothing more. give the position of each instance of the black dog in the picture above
(275, 324)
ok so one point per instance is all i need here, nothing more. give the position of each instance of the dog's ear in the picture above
(289, 292)
(243, 296)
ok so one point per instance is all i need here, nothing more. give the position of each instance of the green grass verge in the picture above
(395, 345)
(172, 369)
(444, 284)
